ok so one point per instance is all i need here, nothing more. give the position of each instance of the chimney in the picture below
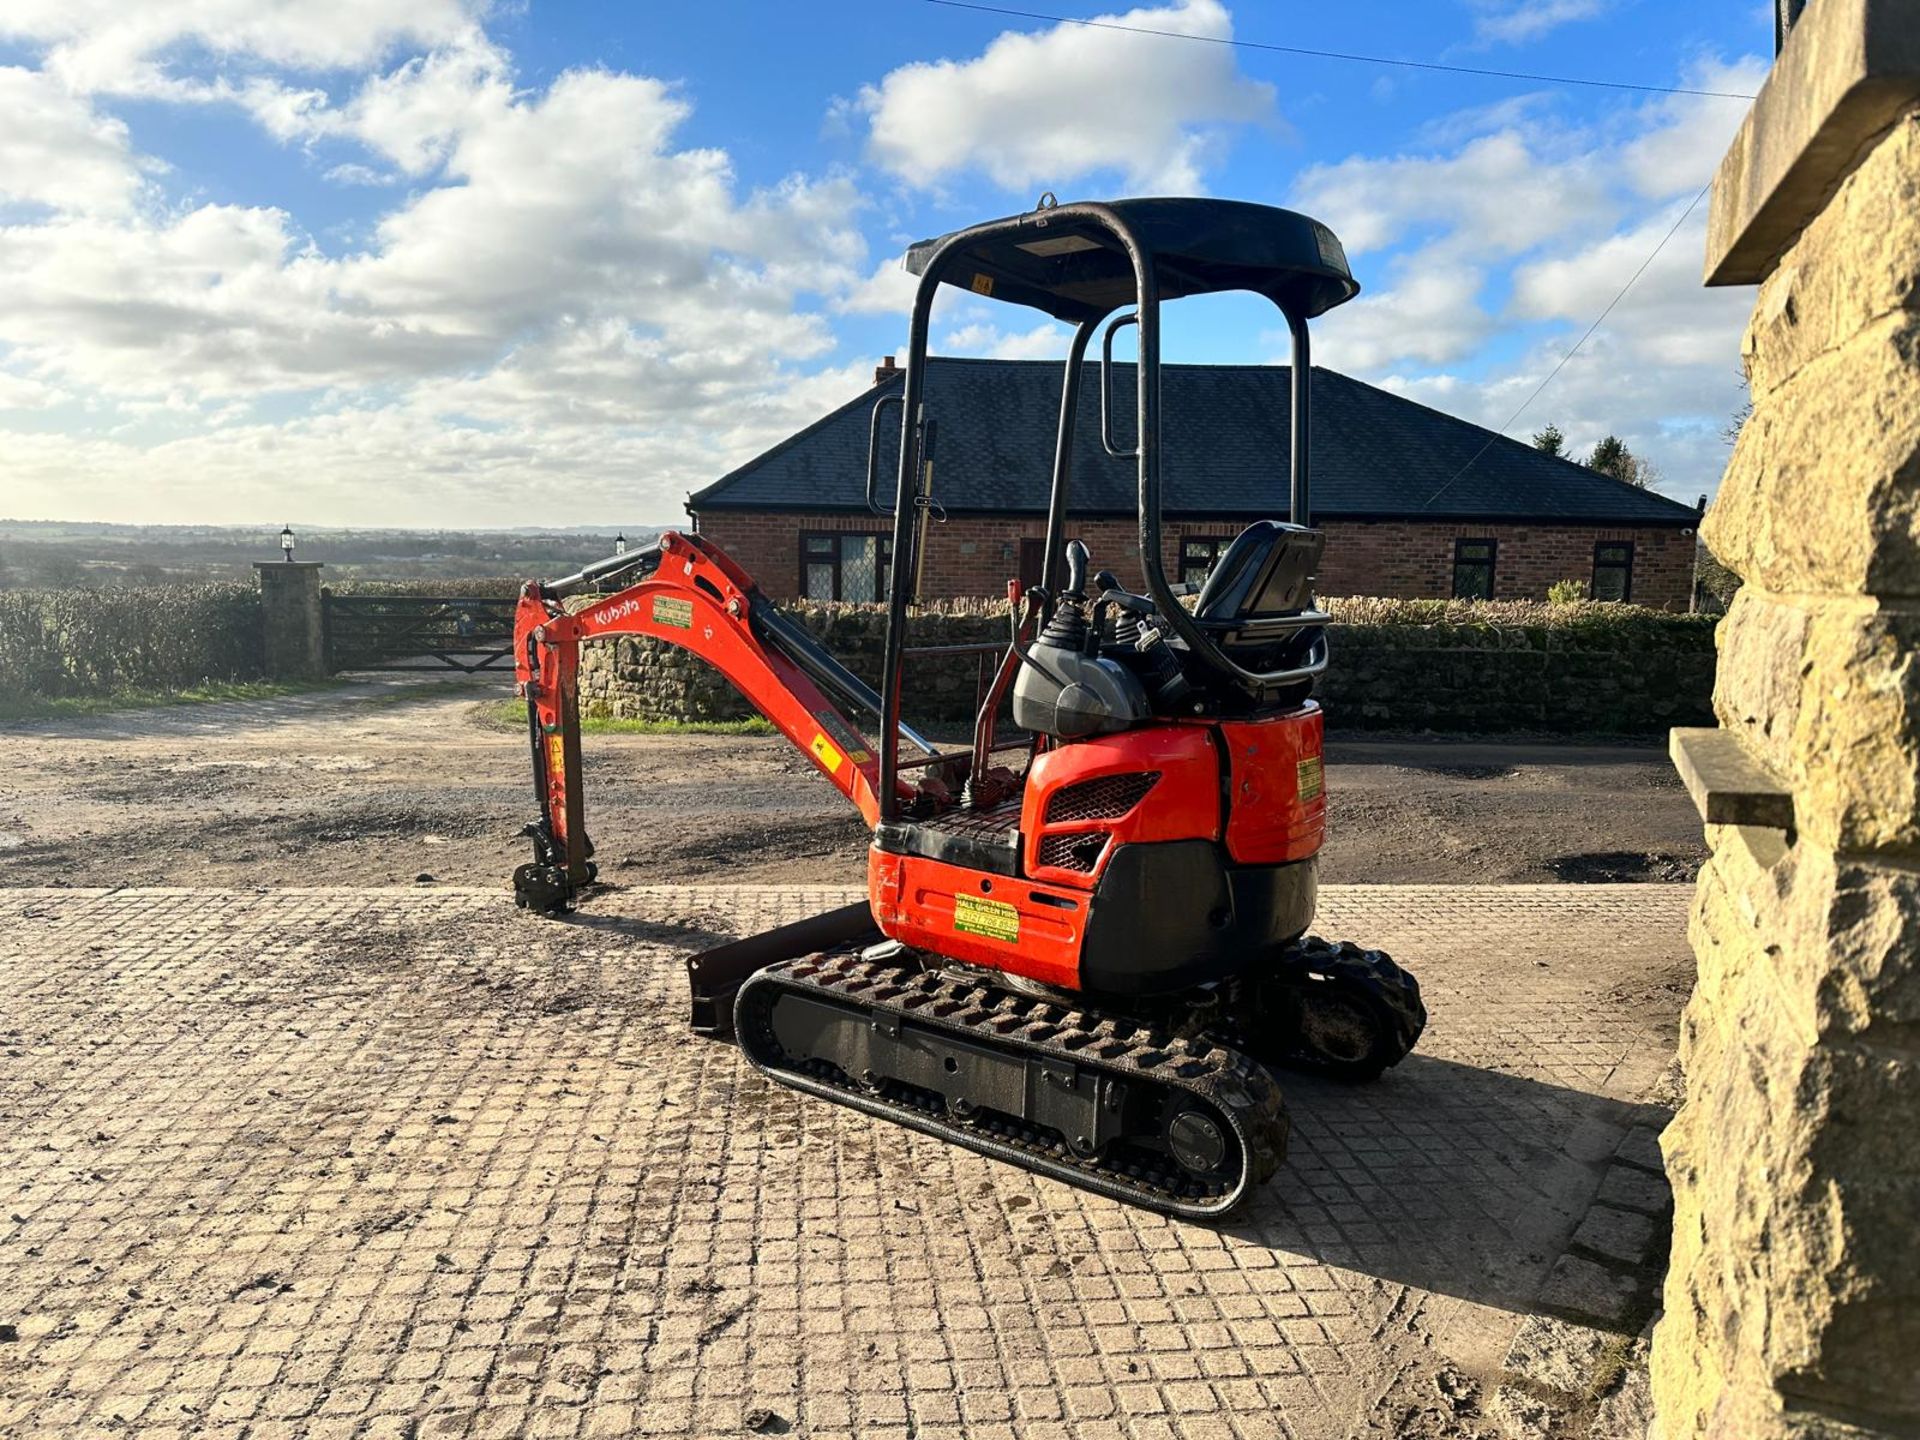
(885, 370)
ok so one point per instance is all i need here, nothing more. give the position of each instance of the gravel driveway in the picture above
(380, 782)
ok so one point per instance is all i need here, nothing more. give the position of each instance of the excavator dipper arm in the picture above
(691, 595)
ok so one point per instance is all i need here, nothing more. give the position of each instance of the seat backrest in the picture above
(1267, 570)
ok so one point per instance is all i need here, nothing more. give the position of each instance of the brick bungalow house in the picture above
(1413, 502)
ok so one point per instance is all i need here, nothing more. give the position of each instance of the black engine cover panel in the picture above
(1172, 914)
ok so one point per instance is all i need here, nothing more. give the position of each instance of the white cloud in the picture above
(1046, 341)
(889, 290)
(1501, 194)
(1431, 315)
(116, 47)
(571, 295)
(1566, 209)
(55, 151)
(1515, 22)
(1054, 107)
(23, 392)
(1688, 134)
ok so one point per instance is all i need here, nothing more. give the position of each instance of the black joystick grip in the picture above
(1076, 569)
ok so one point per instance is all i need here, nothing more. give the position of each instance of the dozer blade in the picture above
(1179, 1125)
(715, 976)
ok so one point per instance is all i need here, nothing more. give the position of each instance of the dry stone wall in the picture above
(1638, 675)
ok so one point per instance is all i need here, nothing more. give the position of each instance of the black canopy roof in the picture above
(1064, 262)
(1375, 455)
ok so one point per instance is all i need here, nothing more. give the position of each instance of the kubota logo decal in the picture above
(613, 613)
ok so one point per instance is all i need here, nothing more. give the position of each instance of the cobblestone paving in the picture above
(405, 1163)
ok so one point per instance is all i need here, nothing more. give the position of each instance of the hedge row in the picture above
(96, 642)
(1519, 624)
(486, 587)
(1459, 666)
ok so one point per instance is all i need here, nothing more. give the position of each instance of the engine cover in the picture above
(1069, 695)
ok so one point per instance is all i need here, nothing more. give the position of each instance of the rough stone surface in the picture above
(1845, 429)
(1794, 1175)
(1852, 268)
(1848, 68)
(292, 626)
(1792, 1303)
(383, 1163)
(1827, 695)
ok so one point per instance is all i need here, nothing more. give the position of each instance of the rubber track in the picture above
(1230, 1084)
(1371, 971)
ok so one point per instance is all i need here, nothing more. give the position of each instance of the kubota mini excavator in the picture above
(1083, 963)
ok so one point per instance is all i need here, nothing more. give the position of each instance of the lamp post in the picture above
(286, 542)
(619, 544)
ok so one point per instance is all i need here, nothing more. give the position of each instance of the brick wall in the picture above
(976, 555)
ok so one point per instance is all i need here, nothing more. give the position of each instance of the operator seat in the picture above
(1265, 575)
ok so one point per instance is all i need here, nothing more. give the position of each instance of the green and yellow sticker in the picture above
(674, 611)
(994, 919)
(1307, 773)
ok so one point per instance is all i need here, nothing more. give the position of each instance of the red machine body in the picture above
(1252, 788)
(1255, 786)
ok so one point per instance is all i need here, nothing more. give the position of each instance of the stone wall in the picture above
(1793, 1300)
(977, 554)
(1631, 674)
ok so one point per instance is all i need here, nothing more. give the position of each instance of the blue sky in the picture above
(461, 263)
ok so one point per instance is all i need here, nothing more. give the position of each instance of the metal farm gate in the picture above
(418, 632)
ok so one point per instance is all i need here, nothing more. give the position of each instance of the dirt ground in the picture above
(396, 781)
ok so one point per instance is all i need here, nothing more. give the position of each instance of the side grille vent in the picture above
(1073, 852)
(1107, 798)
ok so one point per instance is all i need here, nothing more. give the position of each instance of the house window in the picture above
(1473, 569)
(1613, 570)
(1197, 554)
(844, 566)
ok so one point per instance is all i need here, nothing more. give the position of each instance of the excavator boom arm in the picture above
(690, 595)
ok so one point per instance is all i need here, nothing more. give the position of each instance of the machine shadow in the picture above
(1452, 1178)
(683, 937)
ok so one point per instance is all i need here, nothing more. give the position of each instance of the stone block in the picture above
(1822, 494)
(1727, 784)
(1593, 1292)
(1631, 1189)
(1854, 265)
(1623, 1236)
(1827, 695)
(1847, 71)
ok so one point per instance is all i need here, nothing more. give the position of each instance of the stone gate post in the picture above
(1793, 1300)
(290, 614)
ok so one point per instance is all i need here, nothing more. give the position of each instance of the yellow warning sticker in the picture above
(672, 610)
(828, 754)
(994, 919)
(982, 284)
(1308, 773)
(556, 757)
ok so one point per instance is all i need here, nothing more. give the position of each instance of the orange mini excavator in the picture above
(1083, 944)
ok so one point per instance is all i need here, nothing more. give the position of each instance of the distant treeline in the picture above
(49, 557)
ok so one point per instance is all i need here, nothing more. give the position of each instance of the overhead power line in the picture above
(1337, 54)
(1632, 280)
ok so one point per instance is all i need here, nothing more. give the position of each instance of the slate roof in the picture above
(1225, 428)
